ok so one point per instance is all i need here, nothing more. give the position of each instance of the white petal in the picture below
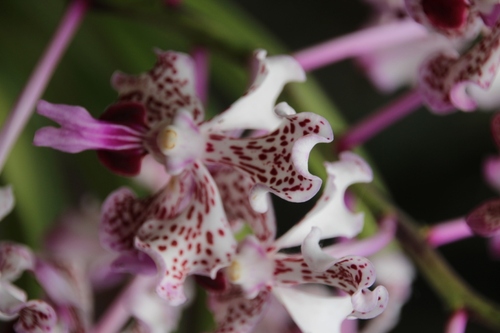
(330, 213)
(314, 256)
(255, 109)
(315, 313)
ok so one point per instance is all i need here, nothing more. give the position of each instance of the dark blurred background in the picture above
(430, 164)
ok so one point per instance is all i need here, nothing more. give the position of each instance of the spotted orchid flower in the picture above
(447, 80)
(259, 270)
(35, 316)
(158, 113)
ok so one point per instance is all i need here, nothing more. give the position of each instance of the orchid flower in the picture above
(34, 315)
(259, 270)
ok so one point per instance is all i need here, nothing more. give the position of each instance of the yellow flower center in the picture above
(234, 271)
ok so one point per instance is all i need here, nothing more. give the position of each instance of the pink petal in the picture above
(234, 188)
(163, 90)
(330, 213)
(6, 201)
(36, 317)
(79, 131)
(454, 18)
(198, 241)
(122, 216)
(277, 162)
(315, 313)
(444, 78)
(235, 313)
(14, 260)
(491, 171)
(255, 109)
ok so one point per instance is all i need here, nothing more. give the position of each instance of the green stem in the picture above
(454, 292)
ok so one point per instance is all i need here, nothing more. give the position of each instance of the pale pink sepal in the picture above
(11, 299)
(315, 313)
(491, 172)
(79, 131)
(6, 201)
(330, 213)
(255, 109)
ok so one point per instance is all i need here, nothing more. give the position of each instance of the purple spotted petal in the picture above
(234, 188)
(453, 18)
(350, 273)
(6, 201)
(198, 241)
(163, 90)
(444, 78)
(276, 162)
(36, 317)
(235, 313)
(14, 260)
(330, 213)
(485, 219)
(255, 109)
(315, 313)
(123, 214)
(79, 131)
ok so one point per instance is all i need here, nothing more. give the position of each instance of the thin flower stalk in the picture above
(40, 77)
(358, 43)
(448, 232)
(380, 120)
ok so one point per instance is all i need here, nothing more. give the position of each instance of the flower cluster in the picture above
(217, 180)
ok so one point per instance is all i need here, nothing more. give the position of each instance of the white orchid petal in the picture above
(315, 313)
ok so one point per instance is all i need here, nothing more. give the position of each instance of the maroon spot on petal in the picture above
(446, 14)
(130, 114)
(122, 162)
(210, 237)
